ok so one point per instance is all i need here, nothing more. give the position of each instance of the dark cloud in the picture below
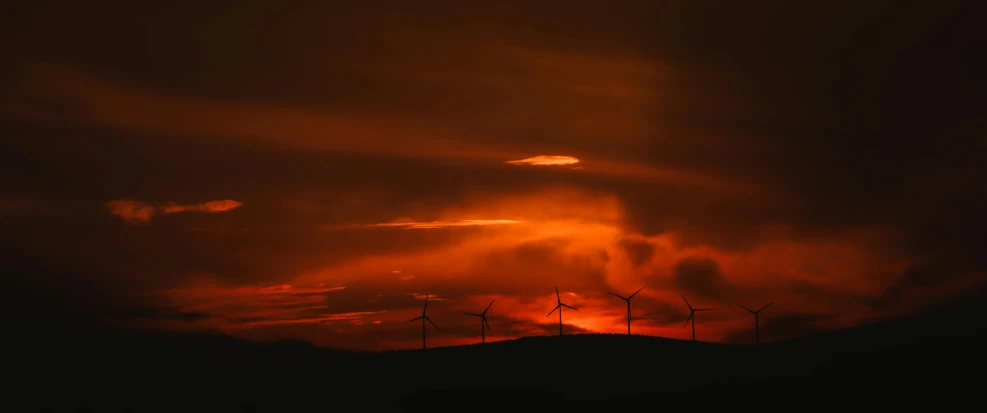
(789, 165)
(700, 278)
(785, 326)
(829, 294)
(154, 314)
(543, 257)
(639, 252)
(662, 313)
(925, 286)
(916, 277)
(51, 295)
(389, 297)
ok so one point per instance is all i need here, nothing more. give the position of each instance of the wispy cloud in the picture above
(546, 160)
(431, 297)
(253, 306)
(131, 210)
(355, 317)
(211, 206)
(343, 130)
(134, 211)
(427, 225)
(445, 224)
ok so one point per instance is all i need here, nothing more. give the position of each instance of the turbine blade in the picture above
(702, 309)
(553, 310)
(635, 293)
(557, 298)
(413, 319)
(686, 302)
(433, 324)
(426, 304)
(762, 308)
(475, 315)
(748, 309)
(615, 295)
(487, 324)
(488, 307)
(688, 319)
(569, 306)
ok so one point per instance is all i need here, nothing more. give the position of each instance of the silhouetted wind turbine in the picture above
(484, 325)
(692, 316)
(559, 307)
(628, 300)
(424, 318)
(757, 322)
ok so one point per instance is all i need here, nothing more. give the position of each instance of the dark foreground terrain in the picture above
(933, 360)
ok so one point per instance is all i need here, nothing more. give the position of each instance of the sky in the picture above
(312, 170)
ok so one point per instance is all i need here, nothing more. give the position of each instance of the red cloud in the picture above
(140, 212)
(547, 160)
(445, 224)
(211, 206)
(130, 210)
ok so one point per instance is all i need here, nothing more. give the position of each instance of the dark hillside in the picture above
(930, 358)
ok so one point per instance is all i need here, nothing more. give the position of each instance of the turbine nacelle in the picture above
(483, 317)
(424, 317)
(757, 317)
(757, 311)
(692, 316)
(628, 298)
(559, 306)
(628, 301)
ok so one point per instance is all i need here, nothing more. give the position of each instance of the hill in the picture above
(931, 358)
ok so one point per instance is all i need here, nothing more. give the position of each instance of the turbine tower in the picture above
(628, 300)
(484, 325)
(424, 318)
(692, 316)
(757, 321)
(559, 307)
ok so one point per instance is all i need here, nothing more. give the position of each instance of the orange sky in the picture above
(317, 178)
(515, 248)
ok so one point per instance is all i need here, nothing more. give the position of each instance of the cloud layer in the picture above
(824, 156)
(139, 212)
(546, 160)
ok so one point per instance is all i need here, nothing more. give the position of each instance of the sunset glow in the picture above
(445, 224)
(546, 160)
(182, 170)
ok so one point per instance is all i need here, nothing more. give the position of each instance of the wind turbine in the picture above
(628, 300)
(559, 307)
(692, 316)
(484, 325)
(757, 321)
(424, 318)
